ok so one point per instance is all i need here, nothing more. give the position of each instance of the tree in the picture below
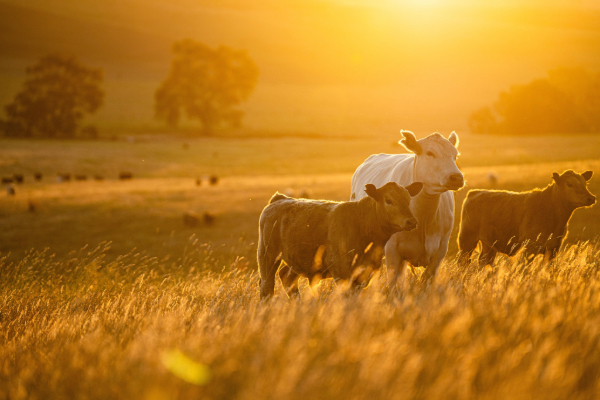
(205, 84)
(483, 121)
(56, 95)
(568, 101)
(538, 107)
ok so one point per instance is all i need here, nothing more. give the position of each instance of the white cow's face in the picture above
(435, 161)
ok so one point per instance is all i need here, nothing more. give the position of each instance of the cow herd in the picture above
(60, 177)
(402, 207)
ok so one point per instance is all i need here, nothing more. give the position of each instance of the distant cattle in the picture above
(198, 181)
(63, 177)
(18, 178)
(191, 219)
(6, 180)
(213, 179)
(37, 176)
(98, 177)
(508, 221)
(305, 194)
(209, 219)
(79, 177)
(10, 190)
(433, 162)
(492, 178)
(31, 206)
(124, 175)
(320, 239)
(301, 194)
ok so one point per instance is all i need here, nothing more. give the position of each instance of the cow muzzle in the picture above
(410, 224)
(455, 182)
(591, 200)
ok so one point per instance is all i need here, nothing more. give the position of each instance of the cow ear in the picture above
(587, 175)
(556, 177)
(453, 138)
(414, 188)
(410, 142)
(372, 191)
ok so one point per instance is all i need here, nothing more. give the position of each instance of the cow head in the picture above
(435, 161)
(572, 188)
(393, 205)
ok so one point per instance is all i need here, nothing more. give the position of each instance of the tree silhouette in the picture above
(56, 95)
(568, 101)
(205, 84)
(583, 88)
(483, 121)
(538, 107)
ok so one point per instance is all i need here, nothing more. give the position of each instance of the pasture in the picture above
(146, 212)
(127, 302)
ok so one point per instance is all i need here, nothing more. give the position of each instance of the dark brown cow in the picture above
(320, 239)
(506, 221)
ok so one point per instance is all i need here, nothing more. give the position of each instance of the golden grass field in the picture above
(165, 311)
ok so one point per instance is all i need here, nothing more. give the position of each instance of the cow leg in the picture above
(487, 255)
(466, 246)
(267, 279)
(393, 263)
(431, 269)
(289, 280)
(550, 255)
(268, 262)
(436, 260)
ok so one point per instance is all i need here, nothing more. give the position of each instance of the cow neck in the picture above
(370, 225)
(560, 208)
(424, 206)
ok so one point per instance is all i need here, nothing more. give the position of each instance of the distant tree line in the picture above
(567, 101)
(203, 84)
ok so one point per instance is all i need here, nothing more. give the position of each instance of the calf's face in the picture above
(572, 188)
(393, 204)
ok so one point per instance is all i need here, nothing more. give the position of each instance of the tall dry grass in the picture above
(143, 328)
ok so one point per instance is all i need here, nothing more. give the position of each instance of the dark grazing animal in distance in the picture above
(6, 180)
(80, 177)
(124, 175)
(213, 179)
(37, 176)
(209, 219)
(18, 178)
(63, 177)
(191, 219)
(506, 221)
(320, 239)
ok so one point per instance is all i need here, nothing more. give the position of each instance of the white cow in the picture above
(434, 164)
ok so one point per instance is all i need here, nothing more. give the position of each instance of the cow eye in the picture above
(430, 154)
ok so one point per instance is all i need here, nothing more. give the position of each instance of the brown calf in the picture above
(506, 221)
(319, 239)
